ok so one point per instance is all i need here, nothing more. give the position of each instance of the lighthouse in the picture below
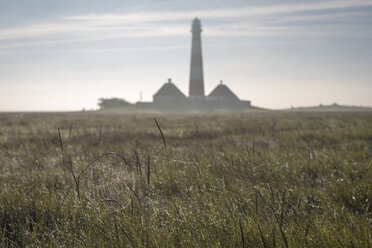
(196, 90)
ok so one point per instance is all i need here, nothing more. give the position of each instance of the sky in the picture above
(65, 55)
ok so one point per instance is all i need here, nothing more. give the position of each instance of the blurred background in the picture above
(65, 55)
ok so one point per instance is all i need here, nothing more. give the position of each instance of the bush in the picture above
(105, 103)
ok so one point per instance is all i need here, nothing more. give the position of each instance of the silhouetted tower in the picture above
(196, 90)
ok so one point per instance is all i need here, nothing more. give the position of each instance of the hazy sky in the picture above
(64, 55)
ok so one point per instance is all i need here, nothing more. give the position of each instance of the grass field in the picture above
(233, 180)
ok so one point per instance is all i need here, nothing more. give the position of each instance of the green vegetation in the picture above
(239, 180)
(105, 103)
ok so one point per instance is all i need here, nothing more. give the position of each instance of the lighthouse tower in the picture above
(196, 90)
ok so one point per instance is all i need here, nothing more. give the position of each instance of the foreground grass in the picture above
(248, 180)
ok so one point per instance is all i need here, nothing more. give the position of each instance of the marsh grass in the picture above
(238, 180)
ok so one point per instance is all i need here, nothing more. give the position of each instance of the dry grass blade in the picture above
(100, 136)
(242, 234)
(161, 132)
(70, 131)
(148, 171)
(60, 143)
(261, 235)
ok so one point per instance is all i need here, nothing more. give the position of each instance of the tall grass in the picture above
(239, 180)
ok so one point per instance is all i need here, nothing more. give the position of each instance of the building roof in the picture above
(222, 91)
(169, 89)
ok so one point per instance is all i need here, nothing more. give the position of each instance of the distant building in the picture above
(168, 93)
(169, 97)
(196, 89)
(222, 93)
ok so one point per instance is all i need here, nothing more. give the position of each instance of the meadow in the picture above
(259, 179)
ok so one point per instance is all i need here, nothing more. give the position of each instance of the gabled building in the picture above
(222, 93)
(168, 93)
(170, 98)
